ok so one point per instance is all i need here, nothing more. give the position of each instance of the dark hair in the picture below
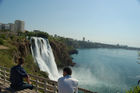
(20, 61)
(67, 70)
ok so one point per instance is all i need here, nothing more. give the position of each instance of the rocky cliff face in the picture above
(18, 46)
(61, 54)
(22, 49)
(60, 51)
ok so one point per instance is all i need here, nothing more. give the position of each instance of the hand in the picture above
(30, 82)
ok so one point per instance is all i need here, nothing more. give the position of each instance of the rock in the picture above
(74, 51)
(62, 56)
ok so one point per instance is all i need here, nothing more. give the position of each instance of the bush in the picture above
(1, 41)
(134, 90)
(3, 36)
(12, 37)
(38, 34)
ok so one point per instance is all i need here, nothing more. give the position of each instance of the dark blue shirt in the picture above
(17, 74)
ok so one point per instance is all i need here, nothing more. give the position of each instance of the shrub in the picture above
(1, 41)
(3, 36)
(134, 90)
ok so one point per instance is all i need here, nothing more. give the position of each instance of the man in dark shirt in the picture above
(17, 74)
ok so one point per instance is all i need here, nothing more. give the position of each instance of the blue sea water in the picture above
(106, 70)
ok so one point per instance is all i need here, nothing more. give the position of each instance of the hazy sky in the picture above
(107, 21)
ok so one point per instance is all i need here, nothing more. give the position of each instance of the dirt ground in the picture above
(3, 47)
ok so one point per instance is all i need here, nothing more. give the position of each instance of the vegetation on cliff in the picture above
(17, 45)
(60, 49)
(134, 90)
(13, 47)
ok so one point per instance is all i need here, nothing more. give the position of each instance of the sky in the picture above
(106, 21)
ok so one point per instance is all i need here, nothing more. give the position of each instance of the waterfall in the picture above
(43, 56)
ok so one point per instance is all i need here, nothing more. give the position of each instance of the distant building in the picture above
(117, 45)
(4, 26)
(55, 35)
(11, 27)
(83, 38)
(19, 26)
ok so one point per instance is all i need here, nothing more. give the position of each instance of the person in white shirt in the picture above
(67, 84)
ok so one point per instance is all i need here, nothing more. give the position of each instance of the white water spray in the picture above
(43, 56)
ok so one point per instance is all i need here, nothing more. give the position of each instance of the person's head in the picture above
(67, 71)
(20, 61)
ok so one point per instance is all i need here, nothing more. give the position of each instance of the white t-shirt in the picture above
(67, 85)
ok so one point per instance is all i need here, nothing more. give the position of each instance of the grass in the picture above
(6, 59)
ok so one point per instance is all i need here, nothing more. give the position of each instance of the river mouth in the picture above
(106, 70)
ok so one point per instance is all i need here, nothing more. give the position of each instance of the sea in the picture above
(106, 70)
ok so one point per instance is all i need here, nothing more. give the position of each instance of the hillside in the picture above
(15, 45)
(60, 49)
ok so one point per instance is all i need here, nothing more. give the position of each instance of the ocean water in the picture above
(106, 70)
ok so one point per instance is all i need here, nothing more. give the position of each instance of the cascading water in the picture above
(43, 56)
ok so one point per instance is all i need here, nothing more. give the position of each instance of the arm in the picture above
(76, 86)
(76, 89)
(58, 85)
(22, 72)
(28, 80)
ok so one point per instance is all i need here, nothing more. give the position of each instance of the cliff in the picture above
(61, 50)
(61, 53)
(13, 46)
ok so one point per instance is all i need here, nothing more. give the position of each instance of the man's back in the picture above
(16, 76)
(67, 85)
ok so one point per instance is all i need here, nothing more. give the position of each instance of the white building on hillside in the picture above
(6, 26)
(11, 27)
(19, 26)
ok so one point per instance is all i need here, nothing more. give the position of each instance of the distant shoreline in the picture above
(129, 48)
(110, 48)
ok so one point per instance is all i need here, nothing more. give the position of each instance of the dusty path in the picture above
(5, 90)
(3, 47)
